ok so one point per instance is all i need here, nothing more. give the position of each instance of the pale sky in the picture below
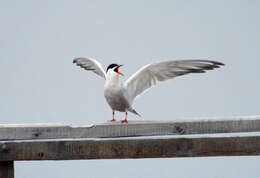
(39, 83)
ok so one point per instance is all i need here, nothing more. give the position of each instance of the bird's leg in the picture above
(125, 121)
(113, 117)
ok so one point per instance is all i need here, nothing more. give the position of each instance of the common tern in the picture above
(120, 96)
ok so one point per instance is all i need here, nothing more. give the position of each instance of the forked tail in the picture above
(134, 111)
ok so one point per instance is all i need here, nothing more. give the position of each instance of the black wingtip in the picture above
(219, 63)
(75, 60)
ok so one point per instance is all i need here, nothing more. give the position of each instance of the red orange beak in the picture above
(117, 70)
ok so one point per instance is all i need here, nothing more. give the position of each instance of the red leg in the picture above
(113, 120)
(125, 121)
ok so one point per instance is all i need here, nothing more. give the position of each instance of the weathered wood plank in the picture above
(139, 147)
(133, 128)
(6, 169)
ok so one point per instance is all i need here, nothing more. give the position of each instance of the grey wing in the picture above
(92, 65)
(150, 74)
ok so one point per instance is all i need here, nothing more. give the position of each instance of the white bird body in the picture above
(115, 93)
(120, 96)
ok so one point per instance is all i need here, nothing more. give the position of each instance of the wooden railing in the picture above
(193, 137)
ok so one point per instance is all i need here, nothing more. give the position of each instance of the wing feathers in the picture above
(92, 65)
(150, 74)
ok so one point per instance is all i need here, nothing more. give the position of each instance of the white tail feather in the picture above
(134, 111)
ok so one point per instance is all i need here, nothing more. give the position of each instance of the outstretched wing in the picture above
(92, 65)
(150, 74)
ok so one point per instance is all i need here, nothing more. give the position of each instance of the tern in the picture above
(120, 96)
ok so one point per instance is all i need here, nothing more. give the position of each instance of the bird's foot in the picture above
(124, 121)
(113, 120)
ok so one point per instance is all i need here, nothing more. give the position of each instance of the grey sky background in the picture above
(39, 83)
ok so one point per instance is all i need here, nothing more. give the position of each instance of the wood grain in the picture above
(132, 129)
(139, 147)
(6, 169)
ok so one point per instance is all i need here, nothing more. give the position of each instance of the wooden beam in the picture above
(139, 147)
(6, 169)
(132, 129)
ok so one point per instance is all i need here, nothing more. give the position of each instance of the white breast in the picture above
(114, 93)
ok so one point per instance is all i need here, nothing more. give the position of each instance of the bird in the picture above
(120, 96)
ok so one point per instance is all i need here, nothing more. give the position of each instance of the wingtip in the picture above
(222, 64)
(219, 63)
(74, 60)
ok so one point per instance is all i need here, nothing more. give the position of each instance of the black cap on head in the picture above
(112, 66)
